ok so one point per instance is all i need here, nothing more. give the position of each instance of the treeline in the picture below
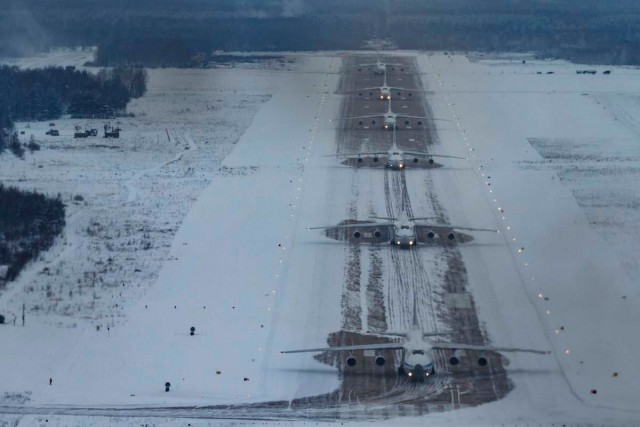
(29, 223)
(46, 94)
(169, 32)
(12, 142)
(153, 42)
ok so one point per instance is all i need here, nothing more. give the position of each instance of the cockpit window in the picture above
(404, 227)
(418, 352)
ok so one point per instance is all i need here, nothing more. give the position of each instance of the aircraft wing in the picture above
(411, 90)
(365, 224)
(421, 153)
(381, 346)
(373, 116)
(355, 155)
(419, 117)
(363, 88)
(365, 65)
(410, 117)
(436, 226)
(371, 153)
(456, 346)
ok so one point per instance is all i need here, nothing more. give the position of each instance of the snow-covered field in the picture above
(117, 235)
(93, 290)
(555, 160)
(197, 217)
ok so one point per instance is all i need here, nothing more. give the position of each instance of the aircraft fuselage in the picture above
(417, 357)
(404, 237)
(395, 161)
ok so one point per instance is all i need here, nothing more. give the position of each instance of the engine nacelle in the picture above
(451, 236)
(377, 234)
(380, 361)
(357, 234)
(431, 234)
(351, 361)
(431, 161)
(482, 361)
(415, 160)
(360, 160)
(376, 160)
(454, 360)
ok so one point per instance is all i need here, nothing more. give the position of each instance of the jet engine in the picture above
(455, 358)
(431, 234)
(351, 361)
(431, 161)
(377, 234)
(416, 160)
(380, 361)
(451, 236)
(376, 159)
(482, 361)
(356, 234)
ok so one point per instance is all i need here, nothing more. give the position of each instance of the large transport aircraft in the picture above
(418, 351)
(389, 119)
(397, 159)
(386, 91)
(379, 67)
(402, 231)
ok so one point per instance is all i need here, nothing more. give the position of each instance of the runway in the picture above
(434, 276)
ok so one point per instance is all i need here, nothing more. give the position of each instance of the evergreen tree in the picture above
(15, 146)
